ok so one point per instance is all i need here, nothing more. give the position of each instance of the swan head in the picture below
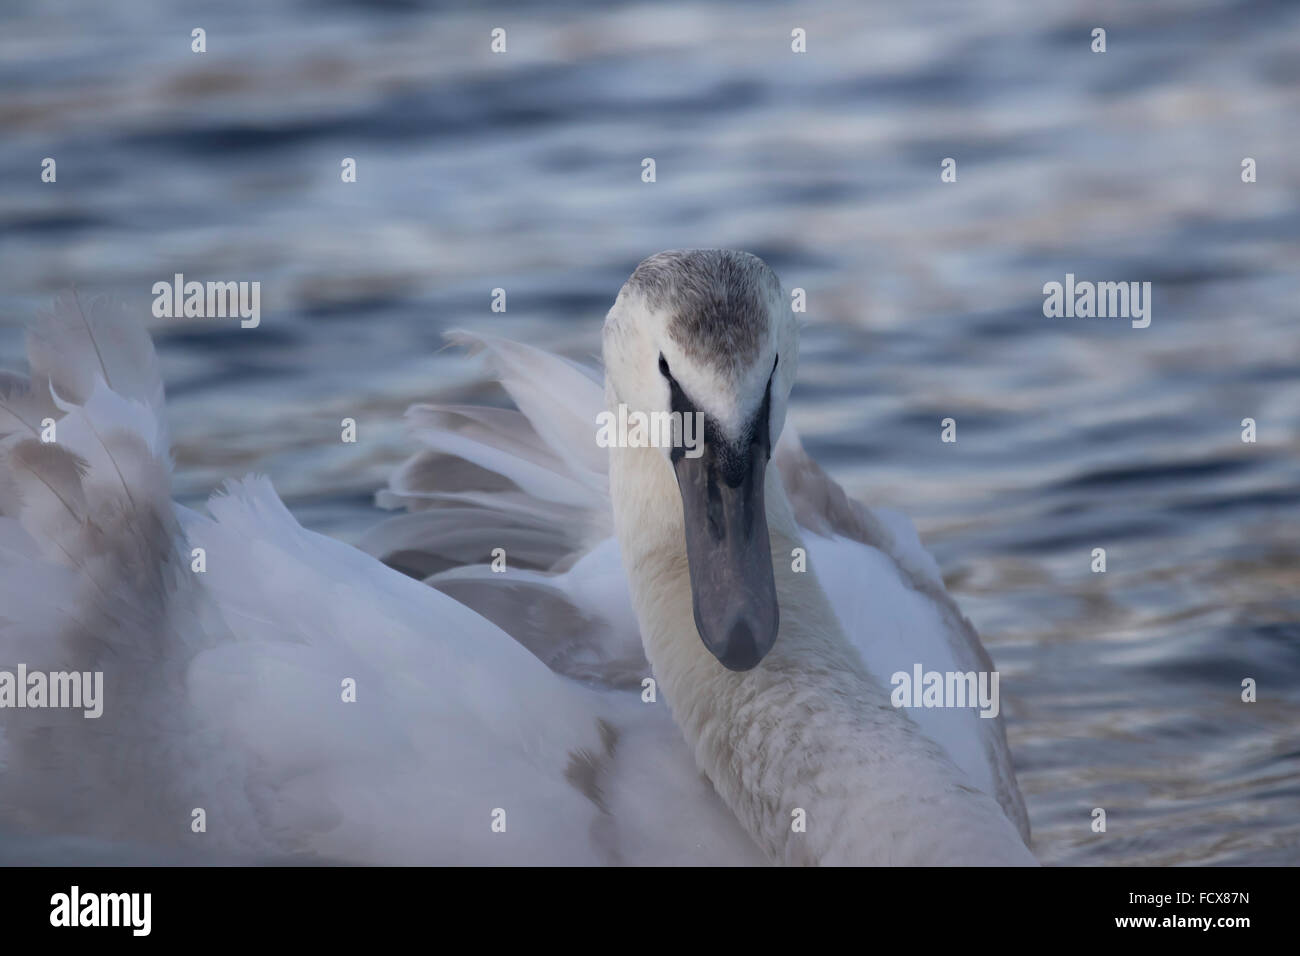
(704, 339)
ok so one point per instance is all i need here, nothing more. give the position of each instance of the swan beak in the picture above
(733, 589)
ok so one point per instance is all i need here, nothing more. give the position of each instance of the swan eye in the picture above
(663, 367)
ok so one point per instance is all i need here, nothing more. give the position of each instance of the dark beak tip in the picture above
(745, 645)
(739, 663)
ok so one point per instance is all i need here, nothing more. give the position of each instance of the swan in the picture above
(554, 652)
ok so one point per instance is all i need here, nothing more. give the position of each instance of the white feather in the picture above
(227, 687)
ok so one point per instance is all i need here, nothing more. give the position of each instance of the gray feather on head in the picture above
(718, 298)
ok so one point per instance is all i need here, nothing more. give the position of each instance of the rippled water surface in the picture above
(522, 171)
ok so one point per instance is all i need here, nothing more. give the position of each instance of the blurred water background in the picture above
(522, 171)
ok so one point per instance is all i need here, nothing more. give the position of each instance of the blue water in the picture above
(522, 171)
